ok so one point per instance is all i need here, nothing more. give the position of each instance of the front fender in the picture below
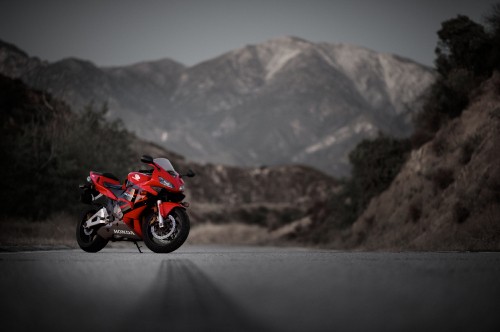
(166, 207)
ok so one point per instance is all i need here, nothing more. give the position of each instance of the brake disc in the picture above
(159, 233)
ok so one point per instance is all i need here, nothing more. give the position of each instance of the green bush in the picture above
(492, 19)
(462, 43)
(375, 163)
(48, 150)
(467, 53)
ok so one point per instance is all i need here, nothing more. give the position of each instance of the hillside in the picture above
(269, 197)
(57, 148)
(447, 195)
(283, 101)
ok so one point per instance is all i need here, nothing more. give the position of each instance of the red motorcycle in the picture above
(147, 207)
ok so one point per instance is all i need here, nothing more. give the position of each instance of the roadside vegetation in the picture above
(467, 54)
(47, 151)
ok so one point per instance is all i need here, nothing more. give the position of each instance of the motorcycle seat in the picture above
(112, 185)
(107, 175)
(116, 189)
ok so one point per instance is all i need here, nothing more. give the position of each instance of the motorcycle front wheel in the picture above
(171, 236)
(88, 239)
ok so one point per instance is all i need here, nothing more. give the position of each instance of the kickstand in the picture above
(137, 245)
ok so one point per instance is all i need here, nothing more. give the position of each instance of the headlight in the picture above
(165, 183)
(181, 188)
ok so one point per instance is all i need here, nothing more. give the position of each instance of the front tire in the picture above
(171, 236)
(88, 239)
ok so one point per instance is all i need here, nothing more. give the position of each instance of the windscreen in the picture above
(164, 163)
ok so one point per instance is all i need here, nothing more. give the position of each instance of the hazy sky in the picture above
(124, 32)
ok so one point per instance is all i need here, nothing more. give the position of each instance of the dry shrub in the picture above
(57, 230)
(370, 220)
(427, 123)
(442, 178)
(493, 185)
(439, 146)
(468, 148)
(414, 212)
(495, 113)
(460, 212)
(228, 234)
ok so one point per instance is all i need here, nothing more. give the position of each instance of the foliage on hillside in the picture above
(375, 163)
(466, 56)
(446, 196)
(47, 150)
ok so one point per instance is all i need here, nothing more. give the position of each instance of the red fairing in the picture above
(149, 183)
(99, 180)
(133, 219)
(138, 178)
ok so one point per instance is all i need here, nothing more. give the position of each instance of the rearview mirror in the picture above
(147, 159)
(190, 173)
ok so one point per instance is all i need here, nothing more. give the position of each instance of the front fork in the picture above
(164, 209)
(160, 217)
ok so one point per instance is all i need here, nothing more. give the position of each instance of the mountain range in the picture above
(42, 137)
(284, 101)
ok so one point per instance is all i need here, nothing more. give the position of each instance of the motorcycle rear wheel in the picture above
(151, 231)
(88, 239)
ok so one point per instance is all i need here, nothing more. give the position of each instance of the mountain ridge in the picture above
(310, 103)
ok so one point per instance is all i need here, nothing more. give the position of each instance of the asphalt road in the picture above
(249, 289)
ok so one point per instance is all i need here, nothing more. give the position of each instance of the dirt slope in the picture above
(447, 196)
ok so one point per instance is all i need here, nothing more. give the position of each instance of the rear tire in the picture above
(151, 231)
(88, 239)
